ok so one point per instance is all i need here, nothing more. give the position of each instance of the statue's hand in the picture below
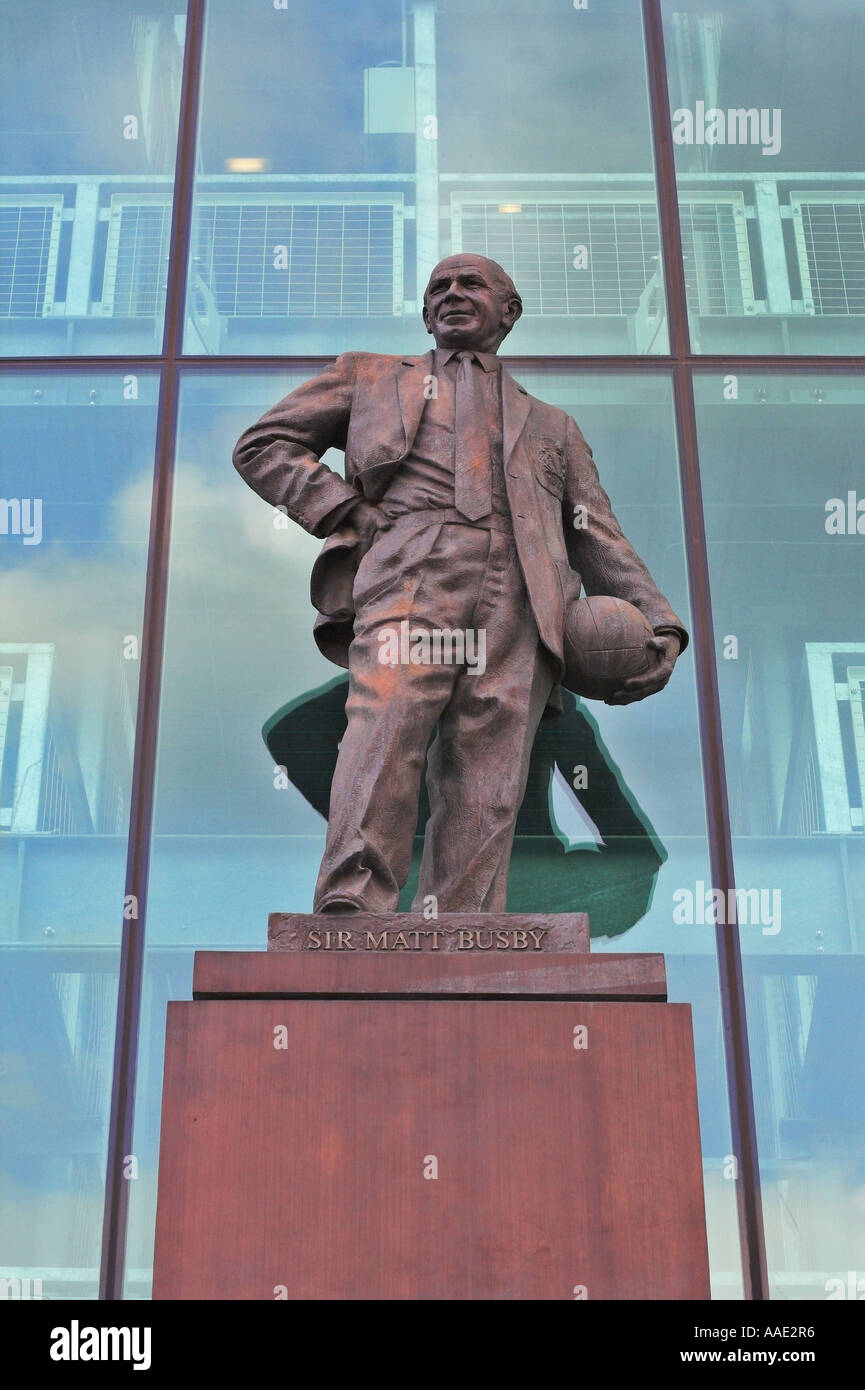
(667, 646)
(367, 520)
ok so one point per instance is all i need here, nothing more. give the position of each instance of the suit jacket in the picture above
(370, 406)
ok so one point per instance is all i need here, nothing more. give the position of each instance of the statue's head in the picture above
(470, 302)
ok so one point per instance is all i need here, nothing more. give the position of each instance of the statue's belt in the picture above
(433, 516)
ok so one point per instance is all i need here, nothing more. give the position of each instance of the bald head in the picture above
(470, 302)
(496, 274)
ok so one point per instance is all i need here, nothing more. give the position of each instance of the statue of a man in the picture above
(451, 557)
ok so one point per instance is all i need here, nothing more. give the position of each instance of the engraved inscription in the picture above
(398, 933)
(429, 939)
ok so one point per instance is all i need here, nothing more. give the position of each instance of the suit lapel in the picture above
(516, 403)
(515, 411)
(410, 388)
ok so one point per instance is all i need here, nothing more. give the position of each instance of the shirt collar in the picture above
(488, 360)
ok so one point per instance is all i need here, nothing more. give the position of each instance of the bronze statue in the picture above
(451, 561)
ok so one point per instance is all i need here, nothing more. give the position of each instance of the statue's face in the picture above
(467, 304)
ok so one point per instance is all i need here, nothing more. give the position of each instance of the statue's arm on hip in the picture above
(280, 455)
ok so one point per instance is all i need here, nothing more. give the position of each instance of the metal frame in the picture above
(131, 972)
(117, 204)
(732, 198)
(799, 200)
(34, 692)
(826, 697)
(743, 1124)
(48, 202)
(242, 200)
(681, 364)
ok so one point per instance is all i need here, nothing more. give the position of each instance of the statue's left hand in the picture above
(667, 646)
(367, 521)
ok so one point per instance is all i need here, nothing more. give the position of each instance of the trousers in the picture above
(421, 577)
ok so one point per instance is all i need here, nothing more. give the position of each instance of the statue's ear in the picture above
(511, 311)
(426, 319)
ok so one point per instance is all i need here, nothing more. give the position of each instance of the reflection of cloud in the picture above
(815, 1229)
(53, 1234)
(227, 546)
(238, 645)
(83, 597)
(238, 635)
(58, 590)
(240, 569)
(229, 553)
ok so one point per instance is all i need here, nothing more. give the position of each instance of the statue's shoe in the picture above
(334, 906)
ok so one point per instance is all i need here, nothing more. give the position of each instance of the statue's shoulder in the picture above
(375, 363)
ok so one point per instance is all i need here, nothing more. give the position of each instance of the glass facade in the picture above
(771, 172)
(77, 476)
(326, 157)
(786, 545)
(89, 98)
(402, 143)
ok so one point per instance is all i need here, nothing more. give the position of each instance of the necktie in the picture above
(472, 472)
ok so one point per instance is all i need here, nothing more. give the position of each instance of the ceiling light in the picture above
(247, 165)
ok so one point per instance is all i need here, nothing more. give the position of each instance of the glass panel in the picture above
(768, 110)
(77, 477)
(89, 98)
(239, 829)
(785, 516)
(517, 130)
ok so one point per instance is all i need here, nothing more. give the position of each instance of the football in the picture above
(604, 643)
